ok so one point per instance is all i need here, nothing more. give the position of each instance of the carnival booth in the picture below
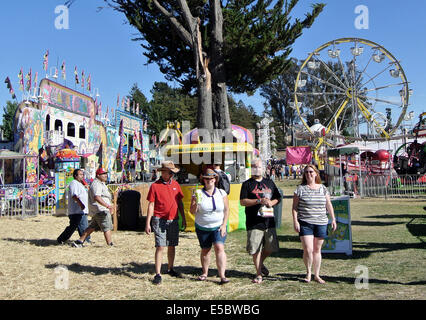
(66, 161)
(191, 158)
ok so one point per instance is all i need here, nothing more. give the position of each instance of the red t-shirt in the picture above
(165, 196)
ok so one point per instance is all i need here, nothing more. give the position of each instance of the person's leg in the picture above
(270, 245)
(83, 225)
(69, 230)
(205, 262)
(219, 249)
(317, 245)
(255, 248)
(256, 262)
(172, 236)
(108, 237)
(86, 233)
(171, 252)
(263, 256)
(308, 244)
(158, 259)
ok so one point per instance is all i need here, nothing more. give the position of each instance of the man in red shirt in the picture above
(165, 200)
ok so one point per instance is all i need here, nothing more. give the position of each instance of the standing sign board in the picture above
(339, 241)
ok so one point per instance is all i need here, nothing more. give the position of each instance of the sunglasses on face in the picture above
(209, 178)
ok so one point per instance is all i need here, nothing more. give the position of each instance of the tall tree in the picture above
(242, 115)
(8, 118)
(213, 45)
(168, 104)
(136, 96)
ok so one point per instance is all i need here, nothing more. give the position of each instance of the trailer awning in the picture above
(208, 147)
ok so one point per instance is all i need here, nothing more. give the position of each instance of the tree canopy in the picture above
(214, 46)
(8, 118)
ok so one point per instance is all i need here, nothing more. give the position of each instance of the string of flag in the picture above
(33, 83)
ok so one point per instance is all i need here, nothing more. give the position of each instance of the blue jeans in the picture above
(77, 222)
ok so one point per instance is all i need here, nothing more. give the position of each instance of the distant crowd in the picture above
(280, 172)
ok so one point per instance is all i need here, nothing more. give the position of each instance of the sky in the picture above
(99, 42)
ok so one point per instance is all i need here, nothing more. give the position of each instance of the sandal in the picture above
(223, 281)
(258, 279)
(202, 278)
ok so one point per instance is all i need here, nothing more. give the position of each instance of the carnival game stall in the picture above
(191, 158)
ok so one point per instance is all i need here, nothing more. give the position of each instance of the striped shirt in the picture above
(312, 204)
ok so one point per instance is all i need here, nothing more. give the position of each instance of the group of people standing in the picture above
(280, 172)
(210, 206)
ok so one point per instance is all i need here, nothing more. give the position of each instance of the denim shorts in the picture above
(309, 229)
(208, 238)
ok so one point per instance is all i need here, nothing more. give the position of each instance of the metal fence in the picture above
(399, 186)
(18, 200)
(22, 200)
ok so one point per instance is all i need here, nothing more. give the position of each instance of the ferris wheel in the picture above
(357, 85)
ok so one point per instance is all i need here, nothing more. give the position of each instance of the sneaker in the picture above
(77, 244)
(173, 273)
(157, 279)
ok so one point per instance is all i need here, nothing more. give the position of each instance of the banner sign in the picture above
(59, 96)
(339, 241)
(130, 123)
(298, 155)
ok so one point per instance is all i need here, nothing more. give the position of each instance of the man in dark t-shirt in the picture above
(258, 196)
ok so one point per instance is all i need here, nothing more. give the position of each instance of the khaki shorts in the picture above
(262, 239)
(101, 221)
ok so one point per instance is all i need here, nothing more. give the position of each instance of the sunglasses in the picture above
(208, 178)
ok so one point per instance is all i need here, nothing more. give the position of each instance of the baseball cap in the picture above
(100, 171)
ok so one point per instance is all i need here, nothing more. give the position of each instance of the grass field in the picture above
(388, 240)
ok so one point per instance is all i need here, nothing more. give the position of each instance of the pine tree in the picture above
(210, 46)
(8, 119)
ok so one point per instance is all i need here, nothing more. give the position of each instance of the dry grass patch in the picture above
(383, 241)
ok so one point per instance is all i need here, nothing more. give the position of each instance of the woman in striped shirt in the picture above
(311, 202)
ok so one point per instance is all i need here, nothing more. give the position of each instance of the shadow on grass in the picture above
(374, 223)
(133, 268)
(399, 216)
(35, 242)
(348, 280)
(367, 249)
(417, 230)
(287, 238)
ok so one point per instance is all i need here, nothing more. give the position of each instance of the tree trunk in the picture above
(205, 111)
(221, 118)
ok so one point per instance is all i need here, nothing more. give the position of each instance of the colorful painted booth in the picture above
(191, 157)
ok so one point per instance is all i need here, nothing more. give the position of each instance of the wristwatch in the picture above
(258, 201)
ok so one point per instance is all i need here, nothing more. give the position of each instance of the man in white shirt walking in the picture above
(77, 208)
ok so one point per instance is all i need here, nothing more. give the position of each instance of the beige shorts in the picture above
(262, 239)
(101, 221)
